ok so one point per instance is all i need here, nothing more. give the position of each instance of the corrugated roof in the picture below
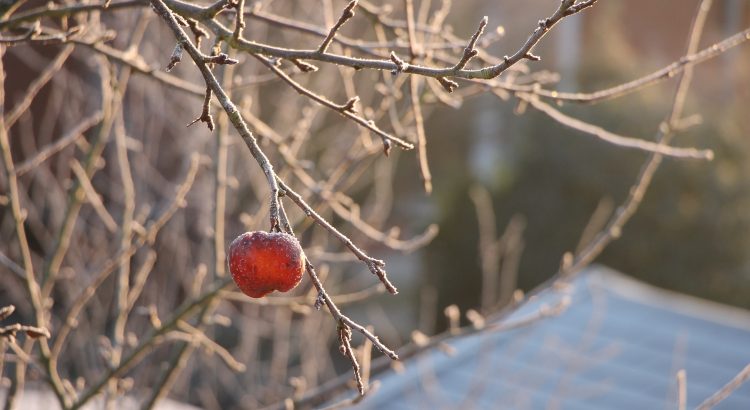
(617, 345)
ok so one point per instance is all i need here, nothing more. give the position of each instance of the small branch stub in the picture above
(319, 301)
(221, 58)
(448, 85)
(349, 106)
(532, 57)
(175, 58)
(470, 51)
(7, 311)
(401, 65)
(575, 8)
(387, 146)
(198, 32)
(304, 66)
(206, 113)
(180, 20)
(345, 347)
(377, 268)
(33, 332)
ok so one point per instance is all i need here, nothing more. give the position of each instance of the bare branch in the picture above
(343, 109)
(37, 85)
(228, 105)
(612, 138)
(93, 196)
(620, 90)
(424, 166)
(239, 18)
(345, 347)
(340, 318)
(543, 27)
(376, 266)
(64, 141)
(625, 211)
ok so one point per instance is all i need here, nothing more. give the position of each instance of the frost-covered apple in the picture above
(261, 262)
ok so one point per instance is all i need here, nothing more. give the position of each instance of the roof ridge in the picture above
(631, 288)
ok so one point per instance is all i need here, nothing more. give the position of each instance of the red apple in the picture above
(261, 262)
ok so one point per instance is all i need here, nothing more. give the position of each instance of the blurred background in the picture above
(542, 181)
(691, 232)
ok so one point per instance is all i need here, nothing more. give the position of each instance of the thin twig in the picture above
(19, 215)
(410, 32)
(334, 199)
(376, 266)
(415, 95)
(228, 105)
(279, 301)
(668, 72)
(345, 16)
(612, 138)
(149, 339)
(489, 246)
(470, 51)
(149, 236)
(345, 109)
(324, 392)
(239, 19)
(67, 139)
(566, 9)
(139, 65)
(33, 90)
(724, 392)
(179, 359)
(341, 318)
(345, 347)
(12, 266)
(626, 210)
(424, 166)
(30, 33)
(64, 10)
(681, 390)
(110, 103)
(206, 112)
(206, 15)
(93, 196)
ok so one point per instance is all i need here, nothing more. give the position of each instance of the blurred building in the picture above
(615, 343)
